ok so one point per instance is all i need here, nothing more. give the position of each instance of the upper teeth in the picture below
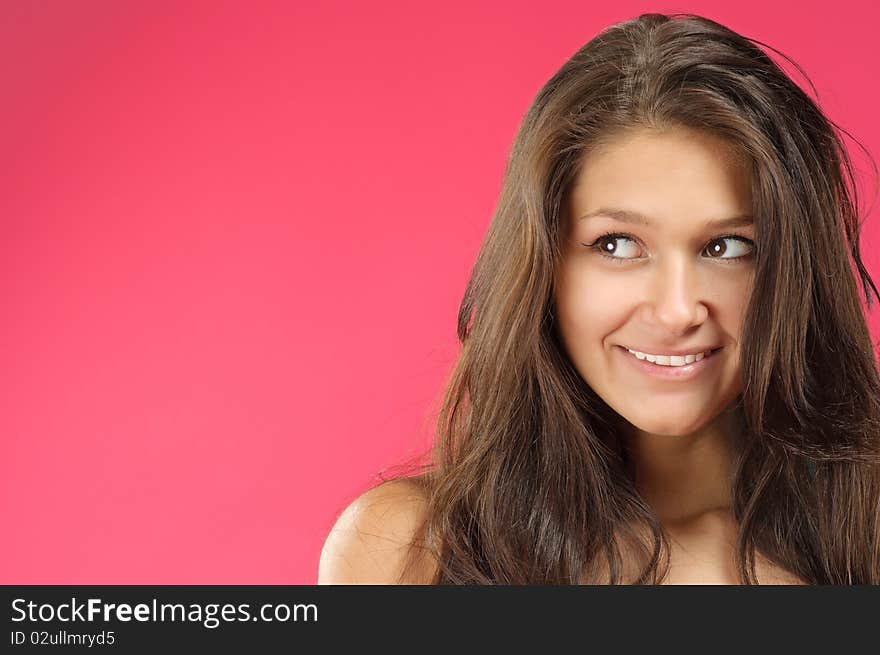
(671, 360)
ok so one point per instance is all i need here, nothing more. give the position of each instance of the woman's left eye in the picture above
(746, 245)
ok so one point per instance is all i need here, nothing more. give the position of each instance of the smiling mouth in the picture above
(707, 355)
(708, 350)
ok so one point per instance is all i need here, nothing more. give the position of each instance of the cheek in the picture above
(593, 298)
(589, 308)
(732, 305)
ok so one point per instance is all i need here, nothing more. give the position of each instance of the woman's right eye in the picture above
(607, 245)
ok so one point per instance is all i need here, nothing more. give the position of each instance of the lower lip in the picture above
(672, 373)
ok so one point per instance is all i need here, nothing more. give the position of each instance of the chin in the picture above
(668, 428)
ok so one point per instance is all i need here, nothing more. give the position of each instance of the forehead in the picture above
(676, 173)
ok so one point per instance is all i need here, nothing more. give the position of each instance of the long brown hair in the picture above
(529, 483)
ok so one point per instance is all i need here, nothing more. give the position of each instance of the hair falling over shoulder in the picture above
(528, 482)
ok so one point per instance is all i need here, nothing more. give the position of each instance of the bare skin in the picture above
(370, 540)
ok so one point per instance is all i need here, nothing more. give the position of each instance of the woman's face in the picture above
(675, 283)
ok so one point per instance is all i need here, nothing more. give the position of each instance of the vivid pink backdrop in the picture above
(234, 239)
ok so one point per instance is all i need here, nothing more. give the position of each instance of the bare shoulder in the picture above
(371, 539)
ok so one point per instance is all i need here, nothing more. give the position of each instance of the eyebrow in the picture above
(627, 216)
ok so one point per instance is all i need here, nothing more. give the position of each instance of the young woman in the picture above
(666, 374)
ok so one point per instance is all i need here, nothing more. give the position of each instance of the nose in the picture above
(676, 302)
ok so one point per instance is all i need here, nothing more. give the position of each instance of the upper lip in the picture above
(664, 350)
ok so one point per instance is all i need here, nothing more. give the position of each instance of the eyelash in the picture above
(622, 260)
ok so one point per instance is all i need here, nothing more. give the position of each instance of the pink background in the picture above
(235, 236)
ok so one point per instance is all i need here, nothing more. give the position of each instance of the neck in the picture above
(686, 477)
